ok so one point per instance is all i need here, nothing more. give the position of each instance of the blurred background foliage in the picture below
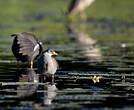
(109, 20)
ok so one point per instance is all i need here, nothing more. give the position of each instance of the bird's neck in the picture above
(48, 58)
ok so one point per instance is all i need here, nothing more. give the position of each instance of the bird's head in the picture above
(51, 52)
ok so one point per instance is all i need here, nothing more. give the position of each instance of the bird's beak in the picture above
(54, 53)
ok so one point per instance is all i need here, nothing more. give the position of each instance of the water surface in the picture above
(96, 61)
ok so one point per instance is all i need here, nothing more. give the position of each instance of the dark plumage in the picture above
(72, 4)
(78, 6)
(47, 64)
(26, 47)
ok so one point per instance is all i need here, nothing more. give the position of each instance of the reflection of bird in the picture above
(26, 90)
(50, 94)
(48, 62)
(78, 6)
(83, 39)
(25, 47)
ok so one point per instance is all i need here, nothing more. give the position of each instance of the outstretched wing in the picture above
(27, 42)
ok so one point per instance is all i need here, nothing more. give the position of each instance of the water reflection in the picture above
(43, 92)
(49, 94)
(27, 89)
(88, 45)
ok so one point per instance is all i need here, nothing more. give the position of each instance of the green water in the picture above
(101, 46)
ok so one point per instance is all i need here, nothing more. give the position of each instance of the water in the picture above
(90, 76)
(96, 63)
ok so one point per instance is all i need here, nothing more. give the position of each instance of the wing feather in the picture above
(27, 43)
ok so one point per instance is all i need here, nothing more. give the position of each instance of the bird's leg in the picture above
(31, 64)
(53, 79)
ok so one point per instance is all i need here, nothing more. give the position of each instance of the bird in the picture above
(26, 47)
(47, 63)
(78, 6)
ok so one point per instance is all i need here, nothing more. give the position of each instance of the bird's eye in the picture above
(50, 50)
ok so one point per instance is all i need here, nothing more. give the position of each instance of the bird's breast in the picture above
(52, 67)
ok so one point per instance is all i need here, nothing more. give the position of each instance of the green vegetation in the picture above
(46, 18)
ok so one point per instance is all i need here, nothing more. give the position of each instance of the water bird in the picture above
(26, 47)
(47, 63)
(78, 6)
